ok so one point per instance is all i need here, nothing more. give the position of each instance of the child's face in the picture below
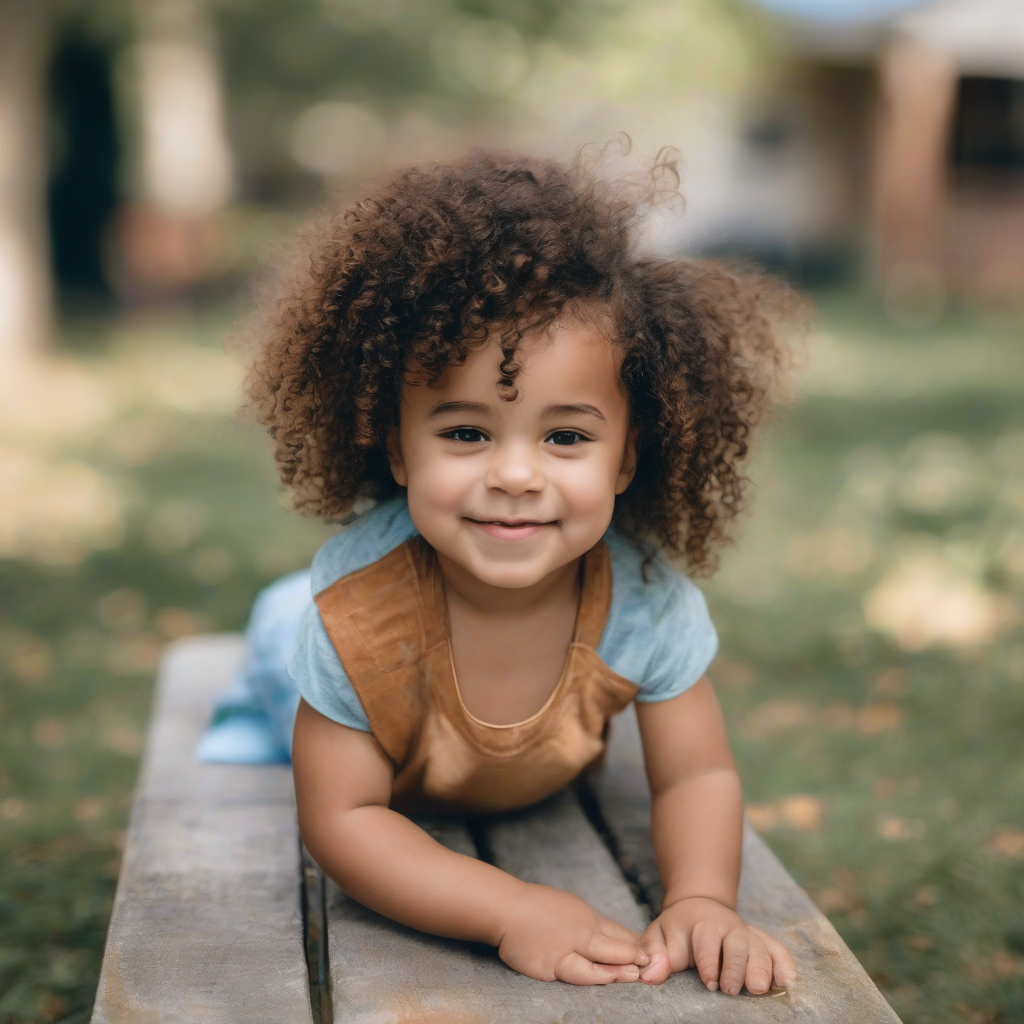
(514, 491)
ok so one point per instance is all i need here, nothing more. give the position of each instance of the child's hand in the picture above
(702, 933)
(552, 935)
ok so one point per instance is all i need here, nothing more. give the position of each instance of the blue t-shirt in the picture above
(658, 634)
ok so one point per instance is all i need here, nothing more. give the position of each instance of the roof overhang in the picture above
(981, 37)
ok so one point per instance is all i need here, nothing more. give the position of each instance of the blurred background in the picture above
(154, 154)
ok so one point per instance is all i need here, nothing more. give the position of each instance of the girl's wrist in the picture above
(506, 904)
(674, 899)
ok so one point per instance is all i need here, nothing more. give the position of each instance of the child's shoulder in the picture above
(644, 582)
(659, 634)
(373, 535)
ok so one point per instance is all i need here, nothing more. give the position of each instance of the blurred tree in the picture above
(314, 89)
(375, 60)
(84, 163)
(25, 289)
(80, 33)
(185, 163)
(328, 86)
(183, 168)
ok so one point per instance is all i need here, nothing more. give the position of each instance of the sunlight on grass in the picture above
(70, 427)
(136, 510)
(871, 614)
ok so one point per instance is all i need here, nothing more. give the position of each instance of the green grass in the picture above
(880, 750)
(197, 529)
(902, 461)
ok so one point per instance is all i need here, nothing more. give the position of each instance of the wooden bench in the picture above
(219, 917)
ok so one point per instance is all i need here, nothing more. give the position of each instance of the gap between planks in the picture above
(313, 893)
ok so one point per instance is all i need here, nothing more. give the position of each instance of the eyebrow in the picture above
(581, 409)
(479, 409)
(444, 408)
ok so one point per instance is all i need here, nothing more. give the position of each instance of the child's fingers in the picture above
(783, 964)
(614, 930)
(707, 954)
(659, 966)
(759, 965)
(667, 954)
(604, 950)
(735, 954)
(578, 970)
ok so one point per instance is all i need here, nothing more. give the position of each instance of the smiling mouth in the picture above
(509, 529)
(511, 524)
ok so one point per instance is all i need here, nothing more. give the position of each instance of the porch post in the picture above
(26, 289)
(918, 92)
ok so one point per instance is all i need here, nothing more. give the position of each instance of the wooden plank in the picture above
(623, 800)
(386, 974)
(314, 935)
(554, 844)
(832, 986)
(206, 925)
(193, 674)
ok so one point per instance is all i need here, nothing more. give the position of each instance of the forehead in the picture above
(568, 362)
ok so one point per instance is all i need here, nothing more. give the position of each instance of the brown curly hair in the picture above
(443, 256)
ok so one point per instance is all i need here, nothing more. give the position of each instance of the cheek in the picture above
(589, 485)
(437, 481)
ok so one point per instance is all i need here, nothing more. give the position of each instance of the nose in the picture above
(515, 468)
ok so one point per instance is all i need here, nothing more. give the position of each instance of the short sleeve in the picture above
(659, 634)
(685, 644)
(317, 672)
(313, 663)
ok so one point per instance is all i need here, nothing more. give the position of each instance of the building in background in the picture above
(891, 139)
(114, 158)
(154, 149)
(165, 237)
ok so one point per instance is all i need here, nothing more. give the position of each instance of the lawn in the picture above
(870, 613)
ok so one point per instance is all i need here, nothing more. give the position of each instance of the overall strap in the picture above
(595, 596)
(382, 625)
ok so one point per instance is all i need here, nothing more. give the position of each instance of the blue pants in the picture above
(252, 722)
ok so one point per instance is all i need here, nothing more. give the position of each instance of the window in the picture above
(988, 131)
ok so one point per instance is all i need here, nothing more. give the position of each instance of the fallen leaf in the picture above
(1006, 841)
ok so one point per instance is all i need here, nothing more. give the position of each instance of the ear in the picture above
(628, 468)
(395, 459)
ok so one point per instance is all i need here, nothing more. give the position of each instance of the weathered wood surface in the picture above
(383, 973)
(386, 974)
(555, 845)
(832, 985)
(206, 925)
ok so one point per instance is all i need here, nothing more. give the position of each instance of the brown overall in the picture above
(389, 624)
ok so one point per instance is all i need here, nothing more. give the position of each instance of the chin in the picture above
(512, 577)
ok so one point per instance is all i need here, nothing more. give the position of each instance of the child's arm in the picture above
(697, 824)
(343, 787)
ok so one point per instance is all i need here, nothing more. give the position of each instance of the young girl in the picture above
(536, 409)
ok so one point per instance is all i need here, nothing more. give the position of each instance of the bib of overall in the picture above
(389, 626)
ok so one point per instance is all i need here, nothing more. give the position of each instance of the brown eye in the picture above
(468, 435)
(566, 437)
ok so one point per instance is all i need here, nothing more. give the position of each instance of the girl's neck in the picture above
(463, 588)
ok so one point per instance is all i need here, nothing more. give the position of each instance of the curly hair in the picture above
(444, 256)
